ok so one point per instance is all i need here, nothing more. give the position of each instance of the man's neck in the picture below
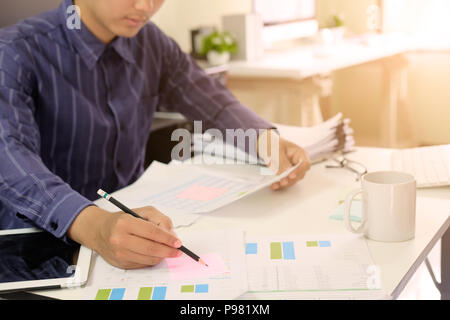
(93, 23)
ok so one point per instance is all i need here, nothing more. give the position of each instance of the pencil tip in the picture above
(203, 263)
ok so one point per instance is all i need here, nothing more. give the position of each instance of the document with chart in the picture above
(136, 194)
(183, 191)
(179, 278)
(311, 267)
(194, 189)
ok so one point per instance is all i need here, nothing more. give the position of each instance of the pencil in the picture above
(125, 209)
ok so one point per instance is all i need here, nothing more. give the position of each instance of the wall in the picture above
(14, 10)
(429, 95)
(177, 17)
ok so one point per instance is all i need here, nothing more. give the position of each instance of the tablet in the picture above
(32, 259)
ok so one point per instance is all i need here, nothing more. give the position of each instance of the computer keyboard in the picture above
(429, 165)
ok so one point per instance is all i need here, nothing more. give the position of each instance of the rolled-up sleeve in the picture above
(27, 186)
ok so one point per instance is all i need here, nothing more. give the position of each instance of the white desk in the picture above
(316, 59)
(306, 207)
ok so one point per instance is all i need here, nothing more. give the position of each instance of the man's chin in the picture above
(128, 32)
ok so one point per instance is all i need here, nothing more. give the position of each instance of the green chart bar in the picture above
(189, 288)
(145, 293)
(311, 244)
(103, 294)
(275, 251)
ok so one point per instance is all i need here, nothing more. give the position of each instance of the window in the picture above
(276, 12)
(427, 18)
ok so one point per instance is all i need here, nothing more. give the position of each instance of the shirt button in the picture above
(21, 216)
(54, 225)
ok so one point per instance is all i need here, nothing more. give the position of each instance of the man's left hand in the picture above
(289, 155)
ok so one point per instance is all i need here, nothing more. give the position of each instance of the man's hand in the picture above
(125, 241)
(282, 158)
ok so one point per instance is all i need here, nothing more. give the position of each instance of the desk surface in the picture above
(306, 208)
(310, 60)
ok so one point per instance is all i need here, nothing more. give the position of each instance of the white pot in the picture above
(332, 35)
(215, 58)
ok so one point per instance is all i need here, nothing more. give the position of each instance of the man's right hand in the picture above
(125, 241)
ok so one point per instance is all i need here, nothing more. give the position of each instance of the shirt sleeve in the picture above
(187, 89)
(27, 187)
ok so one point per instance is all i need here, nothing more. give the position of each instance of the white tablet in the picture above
(31, 259)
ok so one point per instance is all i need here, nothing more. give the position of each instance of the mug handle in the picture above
(348, 205)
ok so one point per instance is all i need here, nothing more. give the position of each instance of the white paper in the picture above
(135, 195)
(320, 266)
(229, 285)
(320, 295)
(166, 187)
(219, 188)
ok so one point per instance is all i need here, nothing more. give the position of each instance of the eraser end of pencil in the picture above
(101, 193)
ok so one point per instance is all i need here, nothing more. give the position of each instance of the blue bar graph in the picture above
(159, 293)
(324, 244)
(201, 288)
(288, 251)
(251, 248)
(117, 294)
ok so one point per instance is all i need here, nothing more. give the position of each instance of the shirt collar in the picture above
(87, 44)
(123, 48)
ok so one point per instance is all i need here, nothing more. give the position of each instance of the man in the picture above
(76, 106)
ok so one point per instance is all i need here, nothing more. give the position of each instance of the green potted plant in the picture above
(218, 47)
(336, 27)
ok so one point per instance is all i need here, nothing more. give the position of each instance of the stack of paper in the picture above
(334, 135)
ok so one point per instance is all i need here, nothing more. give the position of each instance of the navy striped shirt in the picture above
(75, 114)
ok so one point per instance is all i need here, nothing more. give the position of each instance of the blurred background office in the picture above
(382, 63)
(414, 75)
(357, 91)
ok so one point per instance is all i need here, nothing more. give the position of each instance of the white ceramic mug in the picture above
(389, 206)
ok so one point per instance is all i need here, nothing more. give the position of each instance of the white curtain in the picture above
(427, 18)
